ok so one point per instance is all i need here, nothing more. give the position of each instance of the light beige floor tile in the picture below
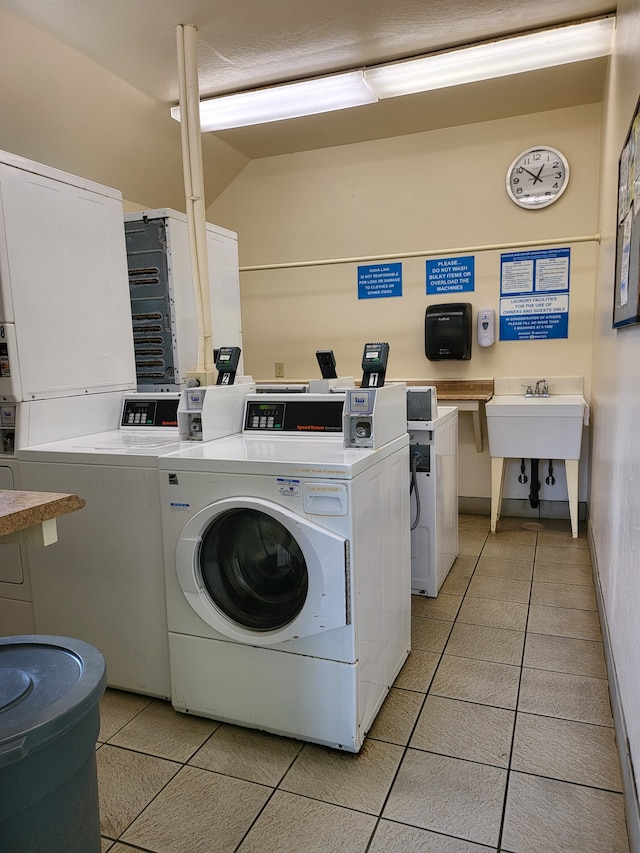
(565, 556)
(558, 817)
(127, 782)
(124, 848)
(509, 522)
(455, 583)
(566, 750)
(565, 654)
(397, 717)
(511, 615)
(564, 622)
(293, 824)
(470, 541)
(465, 730)
(117, 708)
(515, 536)
(463, 566)
(495, 549)
(443, 607)
(547, 572)
(198, 812)
(484, 643)
(417, 672)
(564, 595)
(477, 681)
(562, 536)
(447, 795)
(430, 635)
(159, 730)
(519, 569)
(503, 589)
(356, 781)
(571, 697)
(399, 838)
(470, 519)
(105, 844)
(247, 754)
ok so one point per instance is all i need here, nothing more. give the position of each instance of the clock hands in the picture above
(537, 177)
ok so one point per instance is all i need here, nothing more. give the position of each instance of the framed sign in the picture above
(626, 297)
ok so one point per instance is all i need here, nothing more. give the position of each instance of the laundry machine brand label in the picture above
(176, 506)
(288, 487)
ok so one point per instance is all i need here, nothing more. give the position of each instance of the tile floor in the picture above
(496, 736)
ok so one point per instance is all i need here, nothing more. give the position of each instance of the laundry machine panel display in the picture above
(295, 416)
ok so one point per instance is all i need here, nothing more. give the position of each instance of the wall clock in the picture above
(537, 177)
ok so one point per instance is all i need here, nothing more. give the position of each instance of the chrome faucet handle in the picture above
(529, 391)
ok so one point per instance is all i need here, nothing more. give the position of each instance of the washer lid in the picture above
(47, 684)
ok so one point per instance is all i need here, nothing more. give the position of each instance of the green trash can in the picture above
(50, 690)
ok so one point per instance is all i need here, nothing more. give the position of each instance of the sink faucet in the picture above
(542, 388)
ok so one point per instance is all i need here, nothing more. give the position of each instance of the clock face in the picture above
(537, 177)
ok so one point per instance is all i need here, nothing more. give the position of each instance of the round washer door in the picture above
(257, 573)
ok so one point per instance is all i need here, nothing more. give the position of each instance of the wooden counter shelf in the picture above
(468, 395)
(30, 517)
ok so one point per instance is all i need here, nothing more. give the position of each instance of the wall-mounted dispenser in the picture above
(447, 331)
(486, 327)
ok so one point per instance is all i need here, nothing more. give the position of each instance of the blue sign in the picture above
(534, 295)
(379, 281)
(451, 275)
(524, 318)
(535, 271)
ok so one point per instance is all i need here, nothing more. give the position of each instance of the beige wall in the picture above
(439, 191)
(63, 110)
(615, 493)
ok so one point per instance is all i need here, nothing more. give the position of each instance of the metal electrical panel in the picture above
(163, 310)
(154, 335)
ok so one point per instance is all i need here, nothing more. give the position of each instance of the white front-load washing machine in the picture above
(287, 560)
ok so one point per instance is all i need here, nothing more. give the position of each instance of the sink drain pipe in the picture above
(534, 490)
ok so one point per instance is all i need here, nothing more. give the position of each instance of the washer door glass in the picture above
(254, 569)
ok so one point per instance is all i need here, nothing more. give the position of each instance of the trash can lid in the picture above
(47, 684)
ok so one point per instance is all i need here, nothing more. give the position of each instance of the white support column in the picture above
(497, 480)
(571, 469)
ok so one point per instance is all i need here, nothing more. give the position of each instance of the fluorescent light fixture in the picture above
(514, 55)
(290, 100)
(544, 49)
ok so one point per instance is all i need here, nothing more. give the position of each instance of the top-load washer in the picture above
(287, 560)
(103, 582)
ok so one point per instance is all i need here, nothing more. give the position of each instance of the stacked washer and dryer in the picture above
(287, 560)
(66, 347)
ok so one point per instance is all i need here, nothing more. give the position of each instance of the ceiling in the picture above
(253, 43)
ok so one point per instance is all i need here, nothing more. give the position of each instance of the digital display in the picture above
(295, 416)
(161, 412)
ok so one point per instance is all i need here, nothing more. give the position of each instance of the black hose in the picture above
(415, 459)
(534, 490)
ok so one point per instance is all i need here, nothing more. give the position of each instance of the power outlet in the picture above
(279, 365)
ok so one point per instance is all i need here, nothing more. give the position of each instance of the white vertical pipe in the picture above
(194, 189)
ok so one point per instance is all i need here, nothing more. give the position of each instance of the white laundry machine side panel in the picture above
(184, 494)
(446, 451)
(381, 559)
(292, 695)
(103, 581)
(16, 609)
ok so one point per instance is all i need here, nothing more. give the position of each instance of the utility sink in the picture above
(536, 427)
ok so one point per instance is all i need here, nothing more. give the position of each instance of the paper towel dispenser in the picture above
(447, 331)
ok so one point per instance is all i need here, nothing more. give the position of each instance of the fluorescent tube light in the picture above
(544, 49)
(290, 100)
